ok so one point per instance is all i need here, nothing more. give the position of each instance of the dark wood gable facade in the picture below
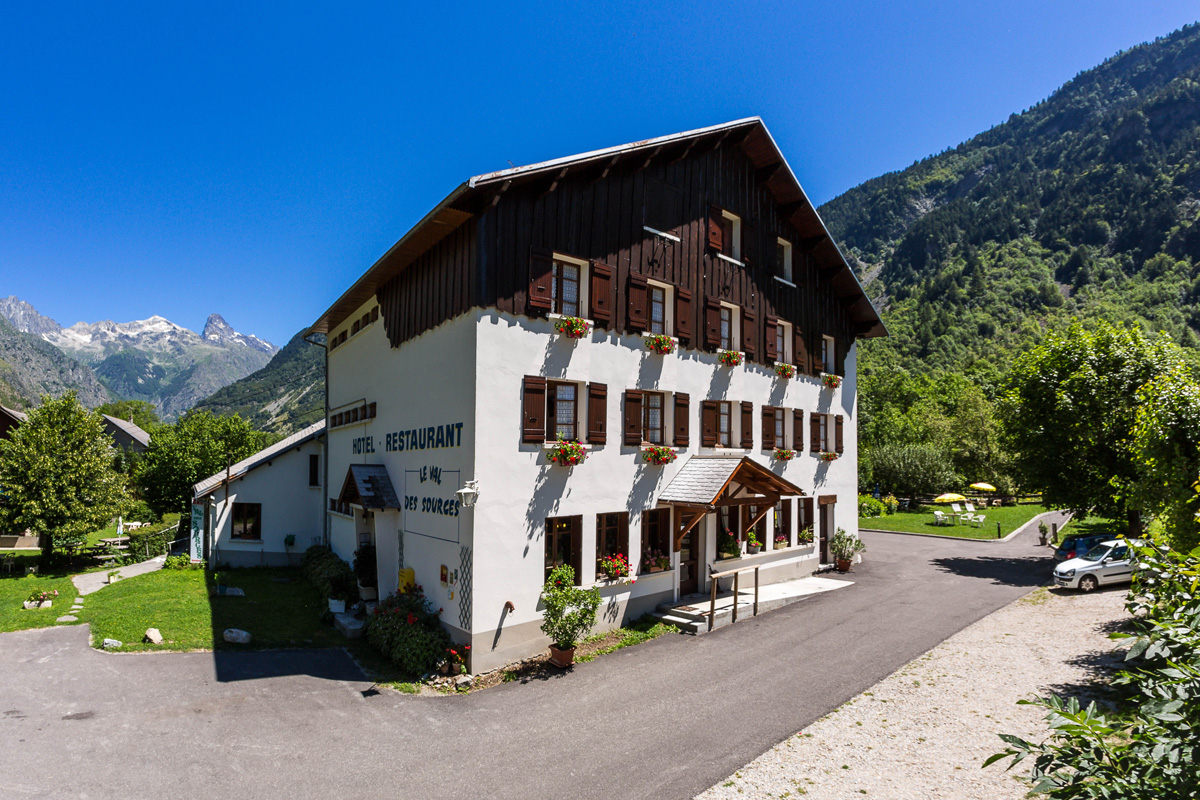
(644, 213)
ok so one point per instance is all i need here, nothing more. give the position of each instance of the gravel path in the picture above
(923, 731)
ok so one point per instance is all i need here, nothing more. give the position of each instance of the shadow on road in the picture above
(1008, 571)
(328, 664)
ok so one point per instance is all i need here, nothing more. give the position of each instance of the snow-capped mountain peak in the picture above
(217, 330)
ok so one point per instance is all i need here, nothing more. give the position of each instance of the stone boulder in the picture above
(153, 636)
(237, 636)
(112, 644)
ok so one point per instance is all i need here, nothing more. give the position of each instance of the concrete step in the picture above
(684, 625)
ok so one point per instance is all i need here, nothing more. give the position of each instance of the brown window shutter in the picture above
(533, 421)
(541, 280)
(708, 423)
(817, 365)
(837, 433)
(637, 303)
(747, 424)
(633, 418)
(601, 294)
(797, 430)
(768, 427)
(801, 353)
(623, 534)
(814, 433)
(716, 236)
(597, 413)
(770, 328)
(577, 547)
(681, 420)
(712, 323)
(749, 333)
(683, 315)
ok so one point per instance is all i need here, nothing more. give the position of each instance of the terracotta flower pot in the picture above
(562, 658)
(843, 565)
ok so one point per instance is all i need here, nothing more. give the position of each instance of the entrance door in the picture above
(689, 561)
(826, 526)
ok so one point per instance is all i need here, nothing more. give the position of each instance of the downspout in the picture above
(325, 446)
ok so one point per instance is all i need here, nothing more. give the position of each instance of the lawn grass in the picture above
(15, 591)
(1009, 517)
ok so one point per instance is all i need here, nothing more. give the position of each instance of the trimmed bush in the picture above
(181, 561)
(870, 507)
(321, 567)
(147, 543)
(406, 629)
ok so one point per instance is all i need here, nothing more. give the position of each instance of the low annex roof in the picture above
(702, 480)
(135, 432)
(209, 484)
(477, 193)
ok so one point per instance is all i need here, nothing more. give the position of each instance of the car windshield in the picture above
(1096, 553)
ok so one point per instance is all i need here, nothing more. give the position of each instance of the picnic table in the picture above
(116, 542)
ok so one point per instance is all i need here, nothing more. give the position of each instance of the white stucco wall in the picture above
(289, 506)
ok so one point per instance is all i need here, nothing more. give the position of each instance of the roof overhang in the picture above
(368, 486)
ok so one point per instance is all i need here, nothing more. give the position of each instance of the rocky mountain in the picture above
(286, 395)
(152, 359)
(31, 367)
(1086, 204)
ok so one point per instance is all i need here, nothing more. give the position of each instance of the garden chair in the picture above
(954, 507)
(940, 518)
(978, 520)
(970, 506)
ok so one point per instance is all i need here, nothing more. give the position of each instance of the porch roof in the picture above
(369, 486)
(704, 479)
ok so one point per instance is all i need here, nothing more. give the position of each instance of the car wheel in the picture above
(1088, 583)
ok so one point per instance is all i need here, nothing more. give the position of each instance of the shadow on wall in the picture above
(718, 385)
(645, 485)
(544, 501)
(557, 355)
(649, 371)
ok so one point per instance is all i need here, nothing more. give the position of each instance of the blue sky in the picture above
(253, 160)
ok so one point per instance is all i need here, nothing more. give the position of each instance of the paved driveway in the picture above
(665, 720)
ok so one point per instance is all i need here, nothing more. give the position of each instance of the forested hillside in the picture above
(1086, 205)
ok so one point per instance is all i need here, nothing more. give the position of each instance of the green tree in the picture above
(56, 473)
(913, 469)
(139, 412)
(1166, 444)
(1069, 411)
(200, 444)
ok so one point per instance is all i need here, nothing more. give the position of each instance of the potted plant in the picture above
(659, 454)
(753, 545)
(804, 535)
(613, 567)
(570, 612)
(342, 588)
(781, 541)
(729, 358)
(114, 575)
(728, 545)
(844, 547)
(784, 454)
(365, 572)
(655, 561)
(1043, 532)
(566, 453)
(571, 327)
(785, 371)
(830, 380)
(41, 599)
(456, 658)
(660, 343)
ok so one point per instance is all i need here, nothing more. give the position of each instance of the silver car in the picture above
(1106, 563)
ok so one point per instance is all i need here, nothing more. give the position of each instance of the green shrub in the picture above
(141, 513)
(182, 561)
(890, 504)
(364, 565)
(321, 567)
(149, 542)
(870, 507)
(406, 629)
(570, 612)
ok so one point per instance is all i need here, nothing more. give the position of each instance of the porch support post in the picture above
(687, 529)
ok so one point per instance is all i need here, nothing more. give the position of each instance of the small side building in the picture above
(126, 435)
(244, 515)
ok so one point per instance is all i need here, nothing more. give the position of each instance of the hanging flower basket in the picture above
(729, 358)
(659, 454)
(613, 567)
(829, 456)
(783, 454)
(567, 454)
(572, 327)
(785, 371)
(830, 380)
(660, 343)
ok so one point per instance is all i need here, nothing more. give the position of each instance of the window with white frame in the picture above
(565, 287)
(780, 429)
(783, 259)
(653, 404)
(724, 424)
(826, 432)
(783, 342)
(730, 322)
(658, 299)
(562, 411)
(731, 228)
(828, 353)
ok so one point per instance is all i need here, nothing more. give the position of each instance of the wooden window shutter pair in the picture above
(749, 331)
(747, 424)
(716, 230)
(797, 430)
(633, 418)
(533, 417)
(708, 423)
(600, 291)
(712, 323)
(683, 315)
(801, 354)
(838, 425)
(638, 303)
(770, 331)
(541, 281)
(768, 427)
(597, 413)
(681, 420)
(814, 433)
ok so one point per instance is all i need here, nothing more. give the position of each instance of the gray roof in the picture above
(702, 478)
(239, 469)
(133, 431)
(373, 485)
(20, 416)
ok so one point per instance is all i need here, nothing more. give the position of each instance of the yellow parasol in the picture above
(983, 487)
(949, 497)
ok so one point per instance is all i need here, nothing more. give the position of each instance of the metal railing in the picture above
(712, 603)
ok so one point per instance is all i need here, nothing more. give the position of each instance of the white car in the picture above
(1106, 563)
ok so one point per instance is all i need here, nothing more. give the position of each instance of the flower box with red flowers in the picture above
(566, 453)
(828, 456)
(572, 327)
(783, 454)
(660, 343)
(659, 454)
(729, 358)
(830, 380)
(785, 371)
(613, 567)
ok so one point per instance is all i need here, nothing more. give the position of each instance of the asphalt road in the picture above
(666, 719)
